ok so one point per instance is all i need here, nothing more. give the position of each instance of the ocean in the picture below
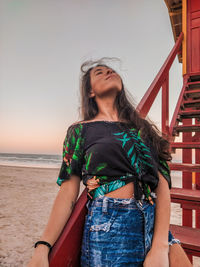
(31, 160)
(38, 160)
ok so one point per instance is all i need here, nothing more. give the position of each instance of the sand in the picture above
(27, 195)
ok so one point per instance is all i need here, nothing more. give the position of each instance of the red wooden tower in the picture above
(185, 19)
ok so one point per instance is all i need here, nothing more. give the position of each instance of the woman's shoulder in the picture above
(77, 124)
(80, 122)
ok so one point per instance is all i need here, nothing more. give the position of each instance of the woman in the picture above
(121, 159)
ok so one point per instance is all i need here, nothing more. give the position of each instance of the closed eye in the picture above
(98, 73)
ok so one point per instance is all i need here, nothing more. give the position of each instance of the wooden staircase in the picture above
(185, 123)
(188, 114)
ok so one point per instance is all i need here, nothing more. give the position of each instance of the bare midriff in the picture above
(126, 191)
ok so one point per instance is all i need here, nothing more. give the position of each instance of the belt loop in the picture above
(105, 205)
(88, 203)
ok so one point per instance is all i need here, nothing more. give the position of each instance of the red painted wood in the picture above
(197, 160)
(195, 137)
(193, 33)
(188, 236)
(191, 103)
(189, 114)
(187, 205)
(66, 250)
(174, 121)
(192, 93)
(186, 194)
(184, 167)
(165, 106)
(186, 128)
(185, 145)
(150, 95)
(193, 83)
(195, 6)
(186, 176)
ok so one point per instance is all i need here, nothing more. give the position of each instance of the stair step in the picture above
(186, 128)
(193, 83)
(185, 145)
(180, 195)
(184, 167)
(192, 93)
(186, 114)
(191, 103)
(188, 236)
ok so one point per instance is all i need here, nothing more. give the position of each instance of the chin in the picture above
(113, 90)
(115, 86)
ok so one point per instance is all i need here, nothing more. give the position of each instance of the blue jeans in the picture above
(118, 232)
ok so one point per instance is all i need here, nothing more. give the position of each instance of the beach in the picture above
(27, 195)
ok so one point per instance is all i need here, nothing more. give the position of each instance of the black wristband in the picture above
(44, 243)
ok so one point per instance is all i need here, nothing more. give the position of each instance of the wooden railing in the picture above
(161, 81)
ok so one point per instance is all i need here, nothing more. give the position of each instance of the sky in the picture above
(43, 44)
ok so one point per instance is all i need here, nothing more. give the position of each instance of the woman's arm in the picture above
(162, 214)
(158, 254)
(60, 213)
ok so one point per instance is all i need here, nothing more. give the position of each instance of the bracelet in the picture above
(44, 243)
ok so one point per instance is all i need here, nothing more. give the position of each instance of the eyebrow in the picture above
(97, 70)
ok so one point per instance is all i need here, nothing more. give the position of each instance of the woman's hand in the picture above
(40, 257)
(158, 257)
(38, 262)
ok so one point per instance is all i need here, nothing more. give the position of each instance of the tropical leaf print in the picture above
(124, 138)
(72, 147)
(164, 163)
(164, 169)
(108, 187)
(138, 153)
(100, 167)
(78, 149)
(88, 159)
(103, 177)
(72, 150)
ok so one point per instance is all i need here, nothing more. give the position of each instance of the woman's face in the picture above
(103, 79)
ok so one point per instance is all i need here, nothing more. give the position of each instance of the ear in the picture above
(92, 94)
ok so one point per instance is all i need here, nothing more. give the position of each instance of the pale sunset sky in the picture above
(44, 42)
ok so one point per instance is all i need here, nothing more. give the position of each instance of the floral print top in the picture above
(115, 154)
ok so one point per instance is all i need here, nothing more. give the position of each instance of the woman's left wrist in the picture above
(160, 245)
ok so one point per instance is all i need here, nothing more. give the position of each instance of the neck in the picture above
(107, 110)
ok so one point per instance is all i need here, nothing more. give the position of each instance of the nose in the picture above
(109, 71)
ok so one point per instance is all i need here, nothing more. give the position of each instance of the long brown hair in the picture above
(125, 108)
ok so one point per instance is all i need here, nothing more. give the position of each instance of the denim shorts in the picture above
(118, 232)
